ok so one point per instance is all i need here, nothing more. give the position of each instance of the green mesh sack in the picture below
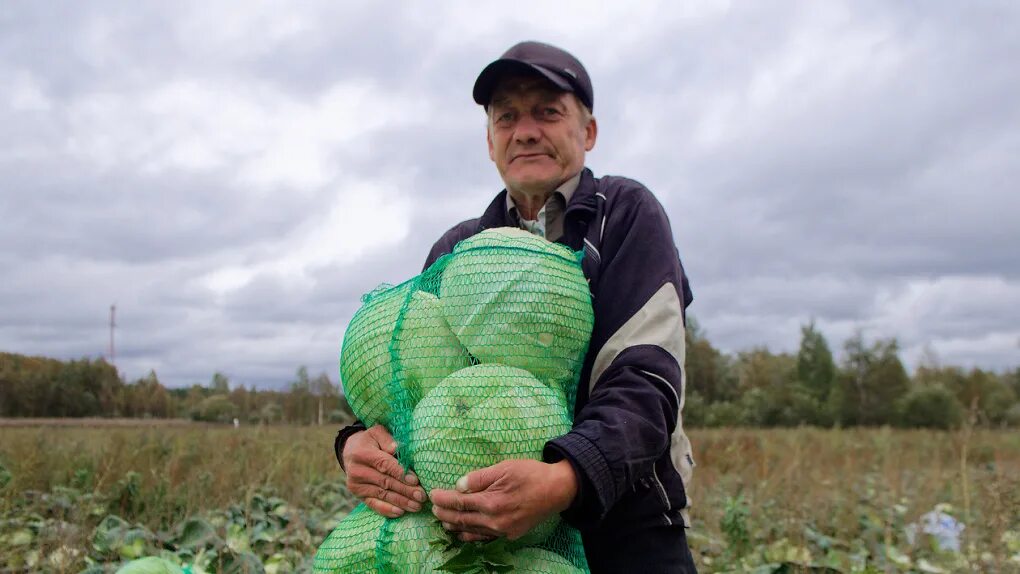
(350, 548)
(413, 543)
(539, 561)
(516, 299)
(475, 361)
(368, 542)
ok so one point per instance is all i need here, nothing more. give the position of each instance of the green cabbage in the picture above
(365, 360)
(516, 299)
(426, 348)
(150, 565)
(482, 415)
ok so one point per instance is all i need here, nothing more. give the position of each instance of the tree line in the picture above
(44, 387)
(868, 387)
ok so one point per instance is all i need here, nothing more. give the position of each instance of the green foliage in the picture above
(930, 407)
(734, 525)
(708, 370)
(37, 386)
(815, 367)
(215, 409)
(870, 382)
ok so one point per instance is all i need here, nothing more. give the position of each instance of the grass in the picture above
(841, 498)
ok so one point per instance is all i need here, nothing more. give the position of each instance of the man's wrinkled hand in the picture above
(506, 499)
(375, 476)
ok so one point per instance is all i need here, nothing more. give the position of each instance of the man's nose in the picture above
(527, 131)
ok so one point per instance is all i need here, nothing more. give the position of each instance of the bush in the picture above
(215, 409)
(1012, 416)
(930, 407)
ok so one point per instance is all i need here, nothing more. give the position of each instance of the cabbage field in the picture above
(261, 499)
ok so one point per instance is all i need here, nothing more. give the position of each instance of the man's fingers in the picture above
(383, 438)
(479, 480)
(455, 501)
(365, 482)
(382, 463)
(398, 500)
(467, 510)
(474, 530)
(472, 537)
(384, 508)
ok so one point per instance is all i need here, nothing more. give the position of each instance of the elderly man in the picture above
(619, 475)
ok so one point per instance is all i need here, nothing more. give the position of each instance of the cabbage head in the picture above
(482, 415)
(150, 565)
(409, 544)
(516, 299)
(365, 359)
(427, 350)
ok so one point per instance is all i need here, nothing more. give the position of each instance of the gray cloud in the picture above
(235, 180)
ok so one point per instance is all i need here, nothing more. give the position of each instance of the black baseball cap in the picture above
(555, 64)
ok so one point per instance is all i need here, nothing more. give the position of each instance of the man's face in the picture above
(537, 134)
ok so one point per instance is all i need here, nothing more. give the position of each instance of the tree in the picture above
(871, 380)
(220, 384)
(299, 404)
(815, 367)
(771, 394)
(707, 370)
(325, 393)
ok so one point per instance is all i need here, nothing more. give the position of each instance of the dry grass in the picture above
(849, 483)
(852, 485)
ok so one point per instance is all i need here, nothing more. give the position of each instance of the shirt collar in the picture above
(565, 190)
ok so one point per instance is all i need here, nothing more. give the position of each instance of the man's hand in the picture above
(506, 499)
(374, 475)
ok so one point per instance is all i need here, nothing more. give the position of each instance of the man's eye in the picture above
(551, 112)
(505, 117)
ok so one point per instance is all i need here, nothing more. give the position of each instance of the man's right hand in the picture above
(375, 476)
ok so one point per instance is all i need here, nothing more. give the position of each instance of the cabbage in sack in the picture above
(482, 415)
(365, 362)
(516, 299)
(427, 350)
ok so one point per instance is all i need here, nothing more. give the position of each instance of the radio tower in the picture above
(113, 312)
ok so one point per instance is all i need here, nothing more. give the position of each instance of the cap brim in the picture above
(490, 76)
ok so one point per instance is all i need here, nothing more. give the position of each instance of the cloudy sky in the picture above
(234, 176)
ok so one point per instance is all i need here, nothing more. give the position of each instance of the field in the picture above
(261, 498)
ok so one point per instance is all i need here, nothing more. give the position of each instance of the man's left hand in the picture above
(506, 499)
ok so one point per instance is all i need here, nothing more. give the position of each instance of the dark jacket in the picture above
(627, 444)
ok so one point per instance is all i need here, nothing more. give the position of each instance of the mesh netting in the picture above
(350, 548)
(472, 362)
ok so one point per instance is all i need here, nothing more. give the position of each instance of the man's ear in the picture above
(591, 132)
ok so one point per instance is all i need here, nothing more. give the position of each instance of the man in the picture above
(619, 475)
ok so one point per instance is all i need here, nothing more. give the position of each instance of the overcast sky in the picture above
(234, 176)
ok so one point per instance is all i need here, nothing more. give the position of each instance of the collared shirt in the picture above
(549, 222)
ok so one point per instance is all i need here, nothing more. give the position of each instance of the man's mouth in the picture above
(526, 156)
